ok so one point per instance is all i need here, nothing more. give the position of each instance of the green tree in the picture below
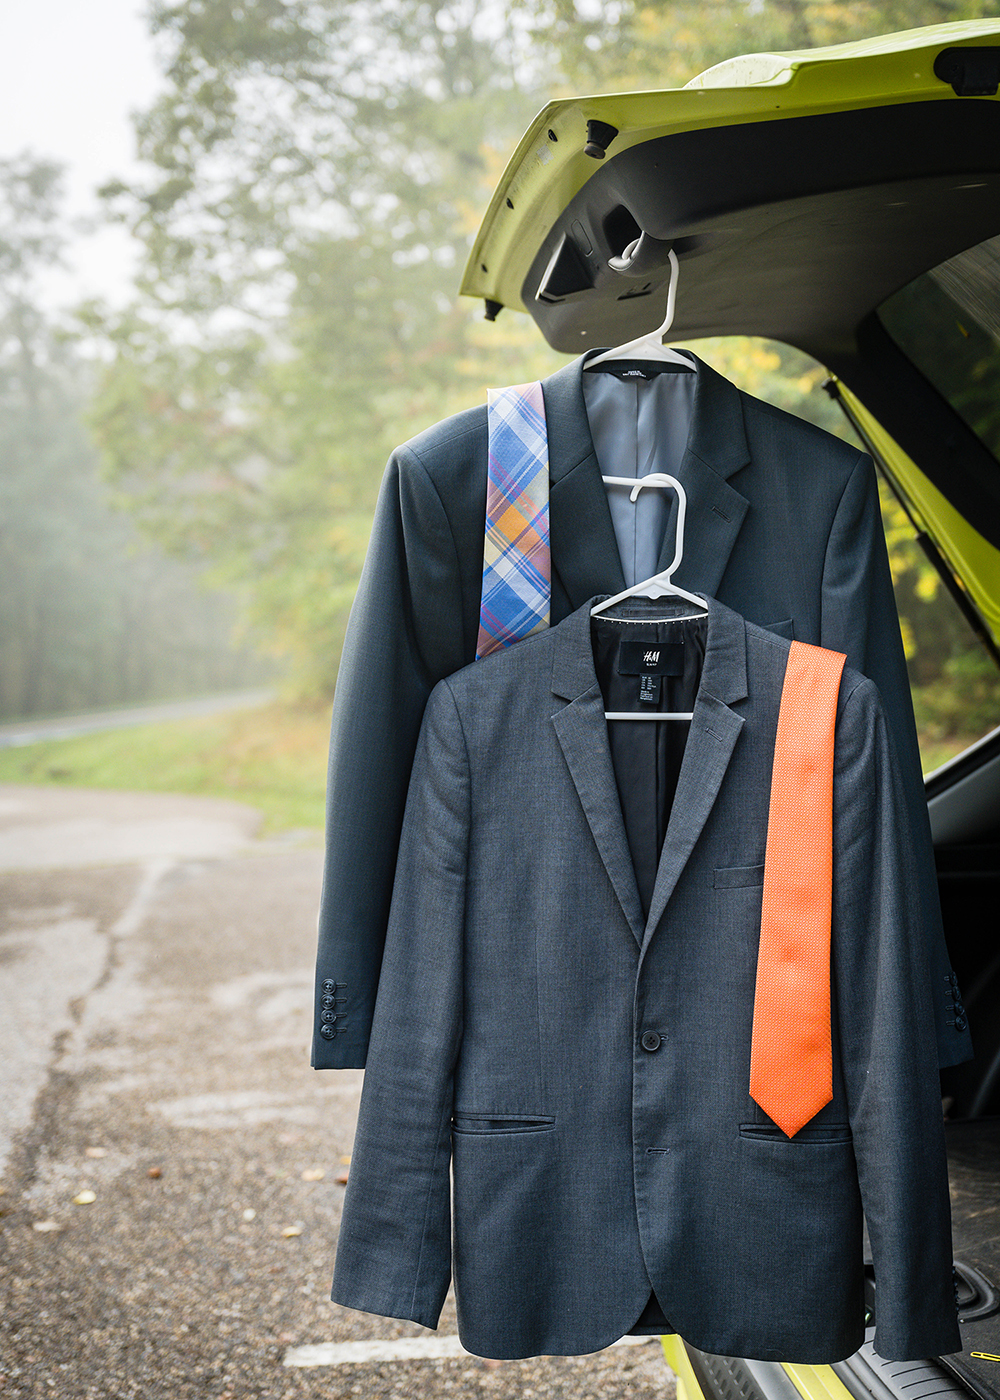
(315, 172)
(89, 613)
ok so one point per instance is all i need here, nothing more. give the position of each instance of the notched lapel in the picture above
(714, 516)
(715, 728)
(584, 548)
(585, 554)
(582, 732)
(711, 739)
(716, 448)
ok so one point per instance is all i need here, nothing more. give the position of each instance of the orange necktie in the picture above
(791, 1058)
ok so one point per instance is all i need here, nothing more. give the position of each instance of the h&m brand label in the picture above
(639, 658)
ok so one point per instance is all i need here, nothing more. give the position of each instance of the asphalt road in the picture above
(30, 731)
(169, 1162)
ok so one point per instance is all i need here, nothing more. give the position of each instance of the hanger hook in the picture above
(671, 294)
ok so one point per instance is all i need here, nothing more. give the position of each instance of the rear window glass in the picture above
(948, 323)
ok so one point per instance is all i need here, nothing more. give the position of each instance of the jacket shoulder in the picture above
(768, 650)
(514, 670)
(798, 432)
(451, 442)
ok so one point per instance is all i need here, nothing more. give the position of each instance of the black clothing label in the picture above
(639, 369)
(639, 658)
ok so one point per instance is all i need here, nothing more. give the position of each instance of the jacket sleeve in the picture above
(887, 1046)
(859, 618)
(404, 634)
(394, 1249)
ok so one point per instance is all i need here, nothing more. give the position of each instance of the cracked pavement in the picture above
(168, 1159)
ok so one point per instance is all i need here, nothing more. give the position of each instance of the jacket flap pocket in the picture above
(738, 877)
(500, 1123)
(785, 628)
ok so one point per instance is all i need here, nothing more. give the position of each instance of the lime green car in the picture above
(845, 201)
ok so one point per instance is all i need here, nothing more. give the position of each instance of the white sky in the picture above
(71, 71)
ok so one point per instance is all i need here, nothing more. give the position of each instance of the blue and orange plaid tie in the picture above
(517, 573)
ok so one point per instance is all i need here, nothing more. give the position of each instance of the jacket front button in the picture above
(650, 1041)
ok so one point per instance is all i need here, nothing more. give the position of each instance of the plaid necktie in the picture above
(517, 573)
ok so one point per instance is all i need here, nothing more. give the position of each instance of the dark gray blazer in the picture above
(783, 526)
(520, 982)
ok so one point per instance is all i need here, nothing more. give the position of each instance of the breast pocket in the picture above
(738, 877)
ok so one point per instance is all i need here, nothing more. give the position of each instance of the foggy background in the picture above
(230, 241)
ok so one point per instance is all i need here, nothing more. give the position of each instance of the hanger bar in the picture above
(660, 479)
(662, 714)
(660, 585)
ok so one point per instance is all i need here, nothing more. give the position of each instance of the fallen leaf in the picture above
(290, 1231)
(345, 1161)
(85, 1198)
(313, 1174)
(96, 1152)
(341, 1179)
(155, 1173)
(46, 1227)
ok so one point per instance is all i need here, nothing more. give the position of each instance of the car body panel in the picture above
(968, 555)
(800, 191)
(549, 167)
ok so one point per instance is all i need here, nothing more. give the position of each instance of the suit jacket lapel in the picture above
(584, 549)
(711, 739)
(716, 448)
(583, 735)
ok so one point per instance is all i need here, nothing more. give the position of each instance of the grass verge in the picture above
(272, 757)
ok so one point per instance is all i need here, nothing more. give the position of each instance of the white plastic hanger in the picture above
(649, 347)
(659, 585)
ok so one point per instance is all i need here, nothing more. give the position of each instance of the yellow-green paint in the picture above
(812, 1382)
(549, 167)
(817, 1382)
(677, 1359)
(970, 557)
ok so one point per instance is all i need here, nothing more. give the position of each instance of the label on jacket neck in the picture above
(639, 658)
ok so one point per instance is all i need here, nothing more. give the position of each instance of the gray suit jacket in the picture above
(783, 526)
(519, 981)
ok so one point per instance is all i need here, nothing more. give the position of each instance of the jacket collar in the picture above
(723, 676)
(584, 549)
(717, 436)
(582, 732)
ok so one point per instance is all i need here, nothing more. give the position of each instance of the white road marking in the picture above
(400, 1349)
(134, 916)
